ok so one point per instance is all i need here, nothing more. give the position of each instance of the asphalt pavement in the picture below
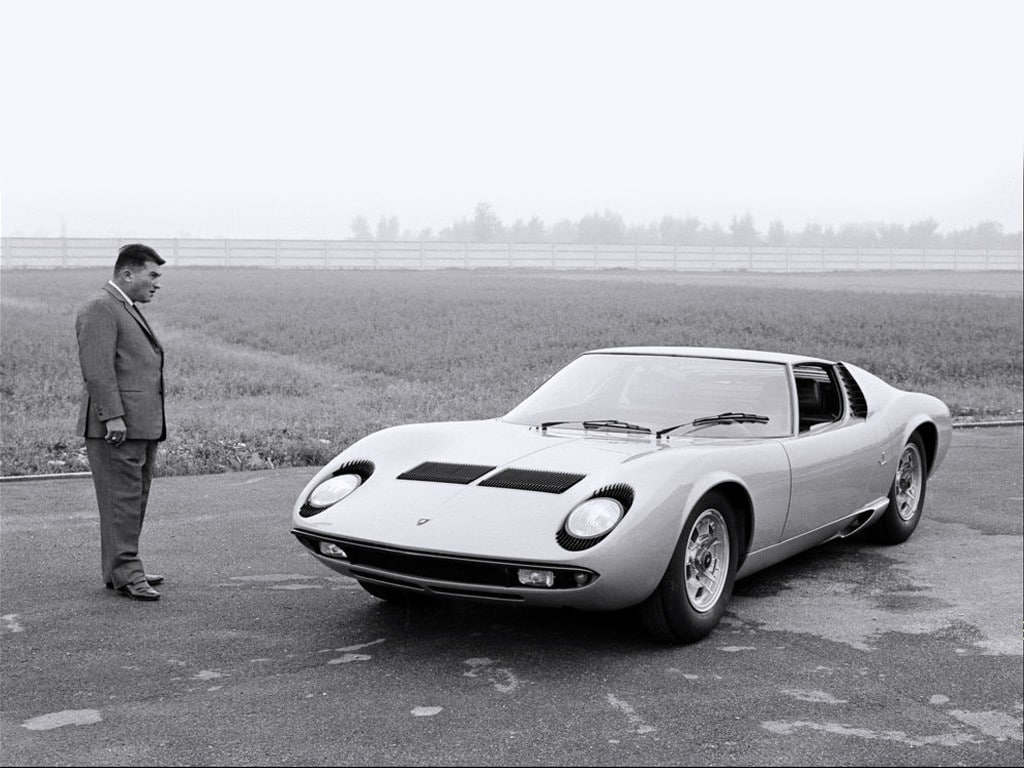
(851, 654)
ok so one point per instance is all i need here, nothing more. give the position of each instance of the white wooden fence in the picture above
(50, 253)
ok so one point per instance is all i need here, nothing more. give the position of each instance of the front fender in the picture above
(760, 468)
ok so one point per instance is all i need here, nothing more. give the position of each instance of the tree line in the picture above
(609, 228)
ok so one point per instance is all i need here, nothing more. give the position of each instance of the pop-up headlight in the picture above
(594, 517)
(333, 489)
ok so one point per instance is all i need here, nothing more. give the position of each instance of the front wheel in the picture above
(697, 585)
(384, 592)
(906, 496)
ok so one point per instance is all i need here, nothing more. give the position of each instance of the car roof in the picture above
(718, 353)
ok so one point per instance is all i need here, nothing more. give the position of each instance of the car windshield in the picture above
(659, 391)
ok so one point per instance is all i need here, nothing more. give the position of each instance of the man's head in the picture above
(136, 271)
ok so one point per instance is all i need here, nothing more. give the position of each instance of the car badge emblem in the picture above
(423, 520)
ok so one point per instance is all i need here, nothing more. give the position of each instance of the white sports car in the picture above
(644, 476)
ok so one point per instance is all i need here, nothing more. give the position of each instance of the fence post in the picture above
(227, 252)
(465, 253)
(595, 256)
(509, 253)
(327, 254)
(277, 254)
(421, 255)
(675, 257)
(375, 254)
(552, 255)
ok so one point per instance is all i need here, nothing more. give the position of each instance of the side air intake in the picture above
(858, 403)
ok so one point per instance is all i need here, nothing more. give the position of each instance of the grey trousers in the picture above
(122, 476)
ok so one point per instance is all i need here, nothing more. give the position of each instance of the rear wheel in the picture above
(906, 496)
(697, 585)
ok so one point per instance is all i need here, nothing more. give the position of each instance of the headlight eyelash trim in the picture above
(621, 492)
(362, 467)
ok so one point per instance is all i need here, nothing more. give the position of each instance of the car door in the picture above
(833, 457)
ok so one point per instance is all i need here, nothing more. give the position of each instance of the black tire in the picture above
(384, 592)
(906, 496)
(682, 611)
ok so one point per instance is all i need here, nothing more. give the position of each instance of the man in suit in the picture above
(122, 412)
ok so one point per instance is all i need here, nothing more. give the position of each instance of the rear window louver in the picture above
(533, 480)
(858, 403)
(441, 472)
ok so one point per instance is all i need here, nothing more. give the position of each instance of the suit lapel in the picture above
(142, 319)
(136, 315)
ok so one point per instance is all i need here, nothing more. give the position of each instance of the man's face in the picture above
(142, 282)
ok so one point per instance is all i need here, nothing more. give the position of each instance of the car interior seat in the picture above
(811, 403)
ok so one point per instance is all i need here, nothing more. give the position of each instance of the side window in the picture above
(819, 397)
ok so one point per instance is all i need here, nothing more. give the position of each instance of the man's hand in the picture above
(116, 431)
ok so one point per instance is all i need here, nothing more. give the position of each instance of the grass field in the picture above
(269, 368)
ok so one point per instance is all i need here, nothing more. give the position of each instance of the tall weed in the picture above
(272, 368)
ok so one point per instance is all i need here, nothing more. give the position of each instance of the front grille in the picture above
(428, 566)
(533, 480)
(373, 577)
(440, 472)
(462, 570)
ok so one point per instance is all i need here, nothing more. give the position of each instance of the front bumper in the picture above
(445, 575)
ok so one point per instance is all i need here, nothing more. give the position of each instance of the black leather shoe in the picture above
(152, 578)
(140, 590)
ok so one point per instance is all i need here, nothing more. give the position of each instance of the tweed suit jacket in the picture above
(122, 369)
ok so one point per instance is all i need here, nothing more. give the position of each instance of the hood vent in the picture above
(439, 472)
(533, 480)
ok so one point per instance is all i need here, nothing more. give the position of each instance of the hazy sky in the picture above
(287, 119)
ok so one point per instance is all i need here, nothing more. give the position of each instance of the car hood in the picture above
(477, 518)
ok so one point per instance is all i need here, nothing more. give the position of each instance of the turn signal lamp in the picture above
(331, 549)
(530, 577)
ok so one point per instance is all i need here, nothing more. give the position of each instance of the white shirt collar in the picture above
(130, 302)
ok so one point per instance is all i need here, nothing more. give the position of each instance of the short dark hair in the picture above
(135, 255)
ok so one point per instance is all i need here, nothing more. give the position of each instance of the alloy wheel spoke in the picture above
(706, 550)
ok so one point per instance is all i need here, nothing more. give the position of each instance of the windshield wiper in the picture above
(611, 424)
(728, 417)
